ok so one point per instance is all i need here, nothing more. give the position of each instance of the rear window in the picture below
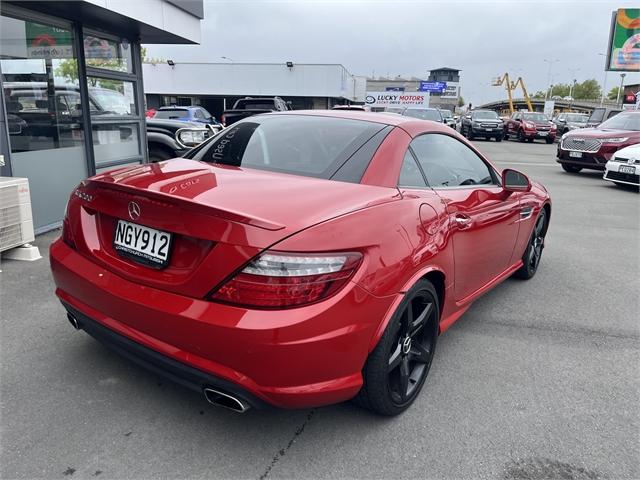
(623, 121)
(173, 113)
(300, 145)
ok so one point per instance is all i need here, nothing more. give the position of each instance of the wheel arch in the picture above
(433, 274)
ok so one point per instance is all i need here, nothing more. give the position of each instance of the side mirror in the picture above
(514, 181)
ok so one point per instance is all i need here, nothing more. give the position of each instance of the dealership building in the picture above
(216, 86)
(72, 101)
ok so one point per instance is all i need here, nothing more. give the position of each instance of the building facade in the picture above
(72, 100)
(304, 86)
(449, 98)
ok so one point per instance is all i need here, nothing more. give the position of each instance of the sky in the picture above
(484, 39)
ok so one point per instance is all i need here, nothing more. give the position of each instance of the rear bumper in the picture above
(157, 363)
(295, 358)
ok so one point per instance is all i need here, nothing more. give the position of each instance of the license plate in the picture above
(142, 244)
(488, 129)
(575, 154)
(543, 134)
(627, 169)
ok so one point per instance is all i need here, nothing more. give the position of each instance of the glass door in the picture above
(44, 110)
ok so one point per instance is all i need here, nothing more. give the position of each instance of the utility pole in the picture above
(622, 75)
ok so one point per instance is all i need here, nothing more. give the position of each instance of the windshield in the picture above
(535, 117)
(255, 104)
(172, 113)
(423, 114)
(300, 145)
(597, 115)
(111, 101)
(576, 118)
(484, 116)
(446, 113)
(622, 121)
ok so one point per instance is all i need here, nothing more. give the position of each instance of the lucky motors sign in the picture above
(397, 99)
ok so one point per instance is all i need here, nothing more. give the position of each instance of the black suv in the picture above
(482, 123)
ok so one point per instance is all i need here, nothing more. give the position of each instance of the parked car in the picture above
(527, 126)
(600, 114)
(194, 114)
(432, 114)
(570, 121)
(319, 292)
(173, 138)
(447, 116)
(592, 148)
(623, 168)
(482, 123)
(249, 106)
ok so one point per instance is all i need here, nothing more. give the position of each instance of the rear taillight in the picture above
(282, 280)
(67, 235)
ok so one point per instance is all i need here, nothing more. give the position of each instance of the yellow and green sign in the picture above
(624, 41)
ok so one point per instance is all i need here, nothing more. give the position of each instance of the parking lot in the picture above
(538, 379)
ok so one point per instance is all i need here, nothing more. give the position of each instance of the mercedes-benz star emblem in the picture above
(134, 210)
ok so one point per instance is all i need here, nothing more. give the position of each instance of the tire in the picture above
(158, 154)
(549, 140)
(498, 139)
(530, 140)
(533, 253)
(570, 168)
(506, 136)
(521, 137)
(469, 133)
(397, 368)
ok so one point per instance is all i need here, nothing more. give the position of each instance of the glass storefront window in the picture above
(115, 141)
(111, 97)
(108, 54)
(40, 83)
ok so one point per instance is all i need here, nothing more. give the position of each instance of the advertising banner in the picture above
(428, 86)
(452, 90)
(623, 54)
(549, 106)
(397, 99)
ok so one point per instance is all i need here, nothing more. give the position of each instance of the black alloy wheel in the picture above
(533, 253)
(397, 368)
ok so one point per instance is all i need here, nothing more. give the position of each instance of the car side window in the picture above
(199, 114)
(410, 174)
(447, 162)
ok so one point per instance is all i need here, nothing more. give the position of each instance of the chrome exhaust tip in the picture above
(73, 321)
(225, 400)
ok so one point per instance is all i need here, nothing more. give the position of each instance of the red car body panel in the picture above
(531, 129)
(298, 357)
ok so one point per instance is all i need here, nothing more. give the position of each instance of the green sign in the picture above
(624, 41)
(44, 41)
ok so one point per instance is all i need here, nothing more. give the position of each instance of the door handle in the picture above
(462, 221)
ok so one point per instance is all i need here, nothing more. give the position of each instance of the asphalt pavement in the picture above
(539, 379)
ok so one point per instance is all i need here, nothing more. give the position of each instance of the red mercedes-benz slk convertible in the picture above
(297, 259)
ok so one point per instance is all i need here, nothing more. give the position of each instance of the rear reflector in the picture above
(281, 280)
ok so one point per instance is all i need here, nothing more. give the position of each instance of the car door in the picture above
(483, 218)
(514, 122)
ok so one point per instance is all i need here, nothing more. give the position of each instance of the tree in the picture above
(613, 93)
(461, 101)
(587, 90)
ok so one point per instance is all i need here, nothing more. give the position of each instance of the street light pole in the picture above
(550, 62)
(622, 75)
(604, 82)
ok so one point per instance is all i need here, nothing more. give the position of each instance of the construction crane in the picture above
(510, 87)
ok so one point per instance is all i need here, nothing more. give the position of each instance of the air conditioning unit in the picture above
(16, 221)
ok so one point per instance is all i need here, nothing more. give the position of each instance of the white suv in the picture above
(624, 166)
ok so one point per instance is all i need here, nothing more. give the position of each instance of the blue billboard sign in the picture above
(437, 87)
